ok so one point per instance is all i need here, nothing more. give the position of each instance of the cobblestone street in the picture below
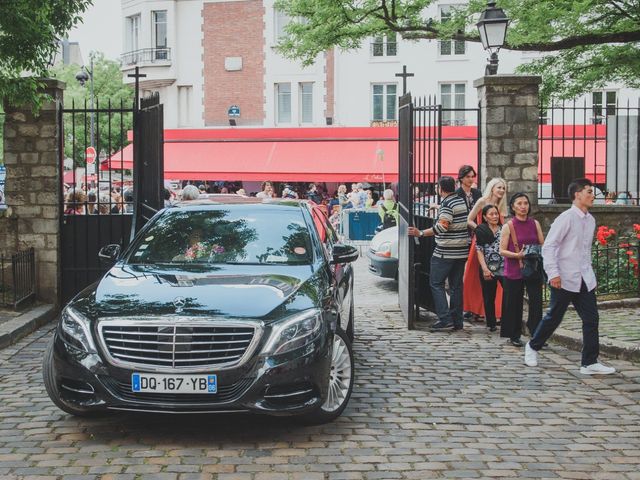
(446, 405)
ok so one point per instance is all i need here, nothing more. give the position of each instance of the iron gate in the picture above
(148, 154)
(426, 130)
(106, 207)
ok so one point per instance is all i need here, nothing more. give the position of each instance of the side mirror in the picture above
(344, 253)
(109, 254)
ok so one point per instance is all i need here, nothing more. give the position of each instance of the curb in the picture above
(614, 349)
(22, 325)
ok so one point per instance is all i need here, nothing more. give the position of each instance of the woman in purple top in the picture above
(527, 232)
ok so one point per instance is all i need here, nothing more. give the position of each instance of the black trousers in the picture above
(489, 288)
(585, 304)
(512, 306)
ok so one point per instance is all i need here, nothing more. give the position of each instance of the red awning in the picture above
(70, 179)
(350, 154)
(342, 154)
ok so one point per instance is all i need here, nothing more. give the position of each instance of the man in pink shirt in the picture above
(567, 261)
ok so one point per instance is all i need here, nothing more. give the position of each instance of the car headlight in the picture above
(75, 330)
(294, 332)
(384, 249)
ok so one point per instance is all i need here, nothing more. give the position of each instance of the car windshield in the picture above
(225, 235)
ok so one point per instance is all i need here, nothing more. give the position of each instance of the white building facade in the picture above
(214, 63)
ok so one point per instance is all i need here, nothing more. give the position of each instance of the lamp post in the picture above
(380, 158)
(82, 76)
(492, 27)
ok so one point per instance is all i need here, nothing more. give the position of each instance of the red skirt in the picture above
(472, 287)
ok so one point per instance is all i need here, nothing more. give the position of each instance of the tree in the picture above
(29, 34)
(585, 43)
(109, 90)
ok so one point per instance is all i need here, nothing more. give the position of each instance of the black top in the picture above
(475, 196)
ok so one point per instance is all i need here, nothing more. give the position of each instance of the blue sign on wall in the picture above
(234, 111)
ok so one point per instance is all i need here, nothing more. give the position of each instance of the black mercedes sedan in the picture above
(220, 305)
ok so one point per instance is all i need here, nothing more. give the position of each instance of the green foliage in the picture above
(29, 33)
(109, 91)
(587, 43)
(613, 268)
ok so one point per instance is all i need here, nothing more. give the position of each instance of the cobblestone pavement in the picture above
(446, 405)
(615, 324)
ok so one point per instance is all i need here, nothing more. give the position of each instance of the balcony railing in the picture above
(146, 55)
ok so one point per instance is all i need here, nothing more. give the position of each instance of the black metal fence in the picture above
(600, 143)
(616, 269)
(98, 197)
(17, 278)
(444, 140)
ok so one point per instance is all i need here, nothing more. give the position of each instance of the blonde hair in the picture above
(502, 205)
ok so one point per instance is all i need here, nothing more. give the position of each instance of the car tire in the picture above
(49, 377)
(350, 322)
(340, 382)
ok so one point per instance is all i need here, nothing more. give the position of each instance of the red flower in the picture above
(604, 233)
(629, 252)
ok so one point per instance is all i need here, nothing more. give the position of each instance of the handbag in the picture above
(531, 265)
(495, 264)
(532, 268)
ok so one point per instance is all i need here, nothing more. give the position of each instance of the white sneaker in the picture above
(530, 356)
(597, 369)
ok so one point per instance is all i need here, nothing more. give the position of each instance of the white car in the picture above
(383, 253)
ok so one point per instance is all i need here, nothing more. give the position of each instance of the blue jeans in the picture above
(452, 269)
(586, 307)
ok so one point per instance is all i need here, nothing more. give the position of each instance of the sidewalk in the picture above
(16, 325)
(619, 329)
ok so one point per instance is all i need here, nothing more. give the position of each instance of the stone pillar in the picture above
(509, 131)
(33, 186)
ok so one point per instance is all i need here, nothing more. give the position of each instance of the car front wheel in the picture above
(340, 381)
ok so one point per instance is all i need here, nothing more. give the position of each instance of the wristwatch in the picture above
(421, 233)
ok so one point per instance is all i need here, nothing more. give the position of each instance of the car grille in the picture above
(177, 346)
(226, 393)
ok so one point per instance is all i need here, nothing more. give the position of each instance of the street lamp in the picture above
(492, 27)
(380, 158)
(82, 76)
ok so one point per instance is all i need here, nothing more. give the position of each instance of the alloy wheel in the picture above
(340, 375)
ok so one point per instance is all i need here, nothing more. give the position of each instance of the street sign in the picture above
(90, 155)
(234, 111)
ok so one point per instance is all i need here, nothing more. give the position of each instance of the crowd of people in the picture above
(79, 201)
(491, 251)
(119, 200)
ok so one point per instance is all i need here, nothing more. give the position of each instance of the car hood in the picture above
(237, 292)
(387, 235)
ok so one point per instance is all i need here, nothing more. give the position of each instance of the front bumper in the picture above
(386, 267)
(290, 384)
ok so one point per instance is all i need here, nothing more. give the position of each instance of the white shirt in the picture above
(567, 250)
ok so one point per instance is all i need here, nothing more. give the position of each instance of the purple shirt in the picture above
(526, 234)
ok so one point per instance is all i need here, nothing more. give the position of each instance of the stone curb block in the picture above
(22, 325)
(618, 349)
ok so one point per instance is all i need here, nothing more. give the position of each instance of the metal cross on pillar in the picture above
(404, 76)
(137, 76)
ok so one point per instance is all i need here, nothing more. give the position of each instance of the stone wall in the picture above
(618, 217)
(33, 188)
(509, 131)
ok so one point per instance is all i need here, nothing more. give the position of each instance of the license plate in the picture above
(161, 383)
